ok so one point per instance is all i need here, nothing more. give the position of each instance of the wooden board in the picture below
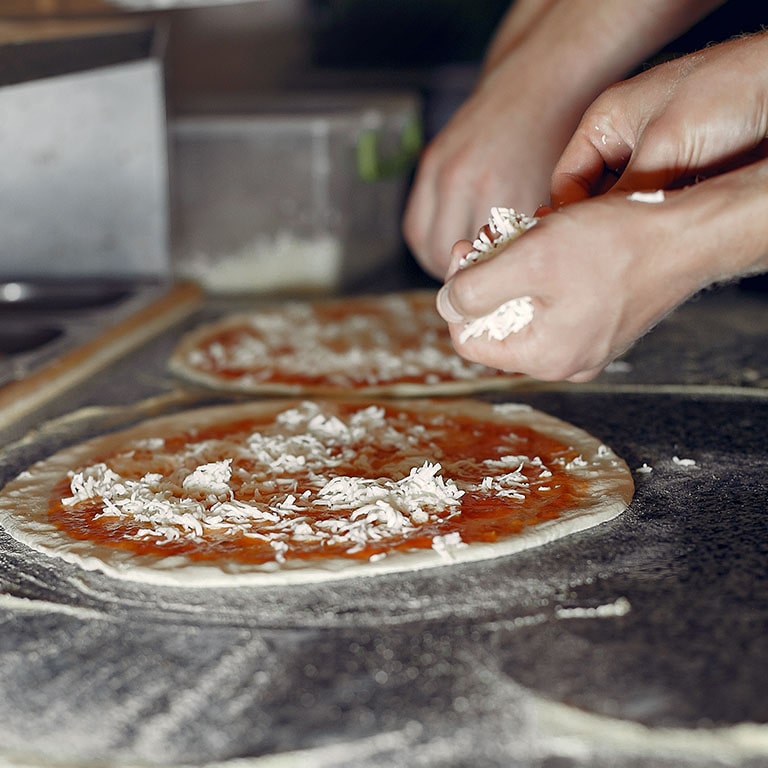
(22, 397)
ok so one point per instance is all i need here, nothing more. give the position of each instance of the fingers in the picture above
(418, 225)
(656, 131)
(591, 162)
(599, 272)
(490, 153)
(475, 292)
(432, 225)
(544, 350)
(576, 296)
(446, 309)
(444, 302)
(443, 205)
(459, 251)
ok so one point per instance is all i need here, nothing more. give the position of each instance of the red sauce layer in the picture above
(461, 449)
(404, 334)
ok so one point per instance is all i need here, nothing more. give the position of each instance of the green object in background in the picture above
(374, 165)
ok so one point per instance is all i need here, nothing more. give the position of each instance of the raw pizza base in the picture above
(381, 345)
(24, 501)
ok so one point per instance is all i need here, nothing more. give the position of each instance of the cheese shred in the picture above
(289, 484)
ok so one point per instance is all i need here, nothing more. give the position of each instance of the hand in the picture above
(675, 124)
(549, 60)
(604, 271)
(456, 185)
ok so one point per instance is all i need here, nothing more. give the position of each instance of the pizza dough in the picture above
(282, 492)
(392, 344)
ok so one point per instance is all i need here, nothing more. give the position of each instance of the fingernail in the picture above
(445, 308)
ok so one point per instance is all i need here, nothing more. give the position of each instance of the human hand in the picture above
(675, 124)
(456, 184)
(604, 271)
(548, 61)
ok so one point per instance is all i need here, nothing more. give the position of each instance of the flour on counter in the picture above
(16, 604)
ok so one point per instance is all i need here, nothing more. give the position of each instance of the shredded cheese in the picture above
(510, 317)
(648, 197)
(280, 483)
(504, 225)
(377, 340)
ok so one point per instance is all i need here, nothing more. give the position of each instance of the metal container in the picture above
(83, 191)
(303, 191)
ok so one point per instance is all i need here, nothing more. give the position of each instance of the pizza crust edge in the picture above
(24, 504)
(179, 366)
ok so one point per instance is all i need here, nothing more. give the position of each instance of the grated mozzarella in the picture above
(387, 339)
(282, 485)
(446, 545)
(210, 478)
(505, 225)
(648, 197)
(510, 317)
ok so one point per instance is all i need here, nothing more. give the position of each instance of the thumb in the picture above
(590, 164)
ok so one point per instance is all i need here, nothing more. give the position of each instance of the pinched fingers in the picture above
(542, 304)
(500, 327)
(547, 349)
(467, 298)
(489, 310)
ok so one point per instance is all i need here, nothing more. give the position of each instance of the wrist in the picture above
(574, 49)
(722, 225)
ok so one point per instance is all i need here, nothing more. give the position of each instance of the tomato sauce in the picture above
(285, 364)
(461, 447)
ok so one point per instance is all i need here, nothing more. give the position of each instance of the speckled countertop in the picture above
(639, 643)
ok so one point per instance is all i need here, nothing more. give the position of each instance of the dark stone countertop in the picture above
(639, 643)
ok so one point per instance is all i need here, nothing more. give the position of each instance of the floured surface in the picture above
(301, 491)
(392, 344)
(650, 627)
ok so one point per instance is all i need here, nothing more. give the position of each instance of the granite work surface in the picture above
(639, 643)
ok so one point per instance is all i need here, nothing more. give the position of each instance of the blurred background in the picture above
(251, 146)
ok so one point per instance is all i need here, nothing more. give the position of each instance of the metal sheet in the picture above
(84, 188)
